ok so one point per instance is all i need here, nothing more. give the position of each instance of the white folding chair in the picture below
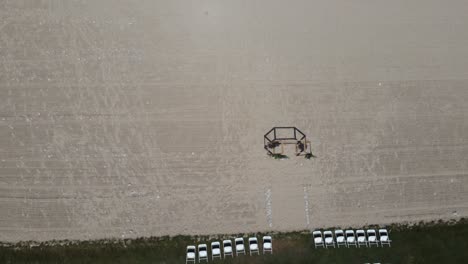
(350, 238)
(190, 256)
(267, 244)
(340, 238)
(215, 250)
(372, 237)
(253, 246)
(240, 248)
(227, 248)
(318, 239)
(384, 238)
(202, 252)
(328, 237)
(361, 238)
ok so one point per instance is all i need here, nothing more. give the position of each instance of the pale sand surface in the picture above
(147, 119)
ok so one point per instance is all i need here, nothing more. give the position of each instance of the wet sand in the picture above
(147, 119)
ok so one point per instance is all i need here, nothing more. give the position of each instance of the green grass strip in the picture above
(423, 243)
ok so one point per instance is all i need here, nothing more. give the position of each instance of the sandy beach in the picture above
(121, 120)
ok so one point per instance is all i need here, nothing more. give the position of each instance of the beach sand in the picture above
(122, 120)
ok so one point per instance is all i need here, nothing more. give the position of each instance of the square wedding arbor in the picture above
(275, 139)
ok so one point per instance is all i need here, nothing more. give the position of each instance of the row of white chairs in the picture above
(350, 238)
(228, 249)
